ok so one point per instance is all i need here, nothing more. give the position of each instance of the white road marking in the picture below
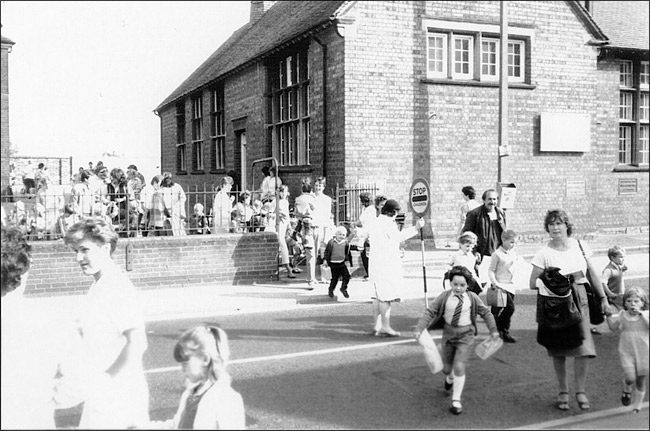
(299, 354)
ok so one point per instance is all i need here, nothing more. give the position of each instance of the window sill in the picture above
(201, 172)
(296, 169)
(495, 84)
(624, 168)
(217, 172)
(181, 172)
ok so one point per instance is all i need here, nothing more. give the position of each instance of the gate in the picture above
(348, 205)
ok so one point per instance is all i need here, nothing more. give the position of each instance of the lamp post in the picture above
(503, 89)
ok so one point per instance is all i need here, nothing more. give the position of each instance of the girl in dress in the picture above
(632, 324)
(208, 402)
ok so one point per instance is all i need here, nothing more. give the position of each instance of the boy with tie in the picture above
(455, 311)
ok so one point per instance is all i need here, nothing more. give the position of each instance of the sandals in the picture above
(583, 402)
(626, 398)
(563, 401)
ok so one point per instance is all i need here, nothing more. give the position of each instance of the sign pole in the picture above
(420, 199)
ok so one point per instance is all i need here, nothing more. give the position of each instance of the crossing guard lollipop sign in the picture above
(420, 199)
(420, 196)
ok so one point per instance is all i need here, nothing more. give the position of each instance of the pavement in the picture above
(284, 293)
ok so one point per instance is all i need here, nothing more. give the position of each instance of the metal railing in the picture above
(348, 204)
(42, 216)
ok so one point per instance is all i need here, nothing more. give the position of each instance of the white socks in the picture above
(457, 389)
(638, 398)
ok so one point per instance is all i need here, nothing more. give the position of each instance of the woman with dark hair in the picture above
(386, 265)
(469, 195)
(565, 253)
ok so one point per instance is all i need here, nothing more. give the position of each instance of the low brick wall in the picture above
(162, 262)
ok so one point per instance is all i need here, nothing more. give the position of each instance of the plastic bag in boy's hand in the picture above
(488, 347)
(431, 353)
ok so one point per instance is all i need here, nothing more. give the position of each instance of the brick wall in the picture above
(162, 262)
(388, 134)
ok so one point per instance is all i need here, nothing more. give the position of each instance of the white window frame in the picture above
(625, 106)
(492, 50)
(462, 56)
(624, 145)
(517, 36)
(644, 146)
(644, 75)
(521, 57)
(643, 107)
(442, 61)
(626, 75)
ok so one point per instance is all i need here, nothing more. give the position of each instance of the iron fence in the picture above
(348, 204)
(46, 216)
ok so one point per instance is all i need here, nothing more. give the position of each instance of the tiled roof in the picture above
(624, 22)
(283, 22)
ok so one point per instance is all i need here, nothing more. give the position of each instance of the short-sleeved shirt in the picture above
(570, 261)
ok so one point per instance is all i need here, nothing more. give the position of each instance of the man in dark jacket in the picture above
(488, 222)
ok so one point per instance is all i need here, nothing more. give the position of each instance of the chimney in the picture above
(258, 9)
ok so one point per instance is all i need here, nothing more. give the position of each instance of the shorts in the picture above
(457, 343)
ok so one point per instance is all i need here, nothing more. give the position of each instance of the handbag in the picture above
(431, 354)
(596, 314)
(496, 297)
(560, 310)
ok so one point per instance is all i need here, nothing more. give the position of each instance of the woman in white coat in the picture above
(386, 265)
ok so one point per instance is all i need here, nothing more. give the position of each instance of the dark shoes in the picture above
(595, 331)
(345, 293)
(507, 338)
(456, 407)
(330, 293)
(448, 384)
(626, 398)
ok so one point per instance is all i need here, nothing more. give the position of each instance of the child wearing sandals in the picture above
(208, 402)
(632, 324)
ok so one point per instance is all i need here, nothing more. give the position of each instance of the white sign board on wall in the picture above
(565, 132)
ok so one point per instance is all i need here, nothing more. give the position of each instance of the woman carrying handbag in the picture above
(564, 252)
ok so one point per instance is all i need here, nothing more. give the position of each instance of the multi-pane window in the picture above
(634, 113)
(643, 107)
(490, 59)
(625, 106)
(218, 128)
(288, 108)
(451, 55)
(197, 133)
(626, 74)
(181, 160)
(625, 145)
(644, 150)
(643, 77)
(491, 62)
(437, 55)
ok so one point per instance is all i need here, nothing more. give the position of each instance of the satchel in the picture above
(496, 297)
(596, 314)
(431, 354)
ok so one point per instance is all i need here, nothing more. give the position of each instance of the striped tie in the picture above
(457, 311)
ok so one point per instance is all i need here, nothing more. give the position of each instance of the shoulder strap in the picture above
(582, 250)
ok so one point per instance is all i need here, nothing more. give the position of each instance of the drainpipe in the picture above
(324, 50)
